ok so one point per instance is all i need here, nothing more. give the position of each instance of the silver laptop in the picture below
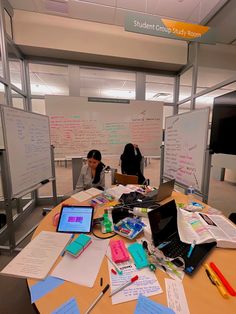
(165, 190)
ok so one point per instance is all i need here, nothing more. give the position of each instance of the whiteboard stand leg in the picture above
(162, 164)
(54, 186)
(206, 181)
(7, 201)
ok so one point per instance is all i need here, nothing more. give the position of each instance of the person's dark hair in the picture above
(95, 154)
(129, 152)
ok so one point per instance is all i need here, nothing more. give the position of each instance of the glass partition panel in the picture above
(15, 68)
(159, 88)
(185, 107)
(185, 87)
(1, 69)
(8, 24)
(208, 77)
(2, 94)
(49, 79)
(17, 100)
(99, 82)
(38, 106)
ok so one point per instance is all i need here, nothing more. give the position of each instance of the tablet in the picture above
(75, 219)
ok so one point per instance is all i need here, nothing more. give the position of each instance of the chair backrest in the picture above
(125, 179)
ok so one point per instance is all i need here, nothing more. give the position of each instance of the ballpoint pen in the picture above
(124, 285)
(192, 246)
(215, 280)
(71, 238)
(114, 264)
(97, 299)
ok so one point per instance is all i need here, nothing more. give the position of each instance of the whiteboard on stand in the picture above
(79, 125)
(27, 142)
(185, 147)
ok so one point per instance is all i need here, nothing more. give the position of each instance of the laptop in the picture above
(163, 224)
(165, 190)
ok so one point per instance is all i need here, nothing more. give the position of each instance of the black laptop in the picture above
(163, 223)
(165, 190)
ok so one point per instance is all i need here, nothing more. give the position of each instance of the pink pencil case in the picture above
(119, 252)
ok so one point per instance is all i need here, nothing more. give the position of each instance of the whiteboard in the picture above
(185, 146)
(78, 125)
(27, 143)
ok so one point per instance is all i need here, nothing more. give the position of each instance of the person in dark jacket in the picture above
(131, 161)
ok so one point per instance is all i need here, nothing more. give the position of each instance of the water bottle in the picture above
(190, 194)
(108, 179)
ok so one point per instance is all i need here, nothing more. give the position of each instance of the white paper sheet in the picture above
(146, 284)
(176, 298)
(83, 270)
(93, 192)
(38, 257)
(81, 196)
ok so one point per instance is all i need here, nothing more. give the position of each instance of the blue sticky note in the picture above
(41, 288)
(69, 307)
(147, 306)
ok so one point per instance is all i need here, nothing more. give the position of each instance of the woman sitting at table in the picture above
(131, 162)
(92, 174)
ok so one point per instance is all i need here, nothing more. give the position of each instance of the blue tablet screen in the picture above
(75, 219)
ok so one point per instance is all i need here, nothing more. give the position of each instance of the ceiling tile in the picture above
(91, 12)
(111, 3)
(23, 5)
(195, 16)
(151, 6)
(179, 10)
(135, 5)
(120, 16)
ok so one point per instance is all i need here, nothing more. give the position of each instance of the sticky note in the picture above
(41, 288)
(69, 307)
(147, 306)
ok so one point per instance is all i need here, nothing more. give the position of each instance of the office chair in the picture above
(125, 178)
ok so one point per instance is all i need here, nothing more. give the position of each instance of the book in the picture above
(86, 195)
(205, 228)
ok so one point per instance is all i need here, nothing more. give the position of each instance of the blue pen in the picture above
(71, 238)
(192, 246)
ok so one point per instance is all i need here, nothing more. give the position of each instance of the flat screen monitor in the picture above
(223, 127)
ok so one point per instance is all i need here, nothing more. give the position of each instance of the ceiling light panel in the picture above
(91, 12)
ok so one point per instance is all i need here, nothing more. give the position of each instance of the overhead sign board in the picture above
(157, 26)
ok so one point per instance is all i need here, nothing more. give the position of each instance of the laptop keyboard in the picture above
(176, 248)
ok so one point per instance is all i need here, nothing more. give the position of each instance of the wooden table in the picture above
(202, 296)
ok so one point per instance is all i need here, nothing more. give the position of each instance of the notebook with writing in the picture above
(163, 223)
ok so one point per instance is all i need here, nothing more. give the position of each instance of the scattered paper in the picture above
(117, 191)
(83, 270)
(81, 196)
(147, 306)
(38, 257)
(176, 298)
(41, 288)
(69, 307)
(146, 284)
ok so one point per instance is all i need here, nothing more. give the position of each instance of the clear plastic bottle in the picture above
(190, 193)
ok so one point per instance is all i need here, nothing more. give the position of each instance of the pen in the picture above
(71, 238)
(97, 299)
(215, 280)
(223, 279)
(116, 267)
(124, 285)
(192, 246)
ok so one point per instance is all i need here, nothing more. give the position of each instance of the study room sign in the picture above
(157, 26)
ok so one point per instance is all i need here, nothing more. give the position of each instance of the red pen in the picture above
(223, 279)
(124, 285)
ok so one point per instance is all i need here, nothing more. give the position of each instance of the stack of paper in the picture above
(83, 196)
(38, 257)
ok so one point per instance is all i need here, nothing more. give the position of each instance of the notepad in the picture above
(77, 246)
